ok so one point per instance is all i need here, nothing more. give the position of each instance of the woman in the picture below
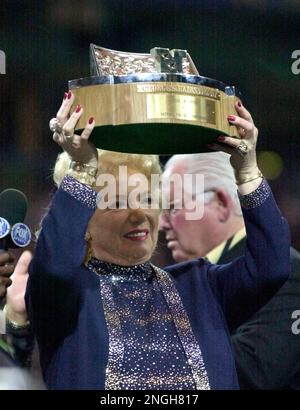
(104, 316)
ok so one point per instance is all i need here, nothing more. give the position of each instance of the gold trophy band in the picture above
(156, 102)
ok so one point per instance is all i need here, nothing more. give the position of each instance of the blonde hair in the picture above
(109, 161)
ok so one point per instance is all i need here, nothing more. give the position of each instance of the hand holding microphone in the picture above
(13, 232)
(6, 270)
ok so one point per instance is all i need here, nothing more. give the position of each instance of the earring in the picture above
(87, 236)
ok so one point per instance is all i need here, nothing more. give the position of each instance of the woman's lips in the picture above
(137, 234)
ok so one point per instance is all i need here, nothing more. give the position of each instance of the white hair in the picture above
(216, 169)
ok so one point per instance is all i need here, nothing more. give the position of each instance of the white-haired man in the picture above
(222, 218)
(267, 350)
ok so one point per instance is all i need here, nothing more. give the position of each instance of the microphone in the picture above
(13, 232)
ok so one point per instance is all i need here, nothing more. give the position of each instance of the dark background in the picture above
(244, 43)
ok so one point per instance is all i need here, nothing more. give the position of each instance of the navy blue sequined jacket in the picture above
(80, 335)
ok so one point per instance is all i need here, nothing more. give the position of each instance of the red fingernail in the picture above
(69, 95)
(231, 118)
(78, 108)
(65, 95)
(239, 104)
(91, 120)
(210, 145)
(221, 138)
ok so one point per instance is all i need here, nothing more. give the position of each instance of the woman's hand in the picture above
(248, 133)
(77, 146)
(6, 270)
(242, 151)
(15, 299)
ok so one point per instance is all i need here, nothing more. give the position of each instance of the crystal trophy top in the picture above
(155, 103)
(160, 60)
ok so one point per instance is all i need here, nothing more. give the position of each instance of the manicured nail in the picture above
(210, 145)
(65, 95)
(69, 95)
(221, 138)
(231, 118)
(91, 120)
(239, 104)
(78, 108)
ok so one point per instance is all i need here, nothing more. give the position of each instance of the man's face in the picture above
(187, 239)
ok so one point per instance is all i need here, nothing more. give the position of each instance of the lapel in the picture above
(229, 254)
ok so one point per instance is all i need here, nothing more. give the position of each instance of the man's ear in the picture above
(224, 204)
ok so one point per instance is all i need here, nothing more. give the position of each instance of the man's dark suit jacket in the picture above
(267, 351)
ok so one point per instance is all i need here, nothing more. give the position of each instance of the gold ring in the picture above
(242, 149)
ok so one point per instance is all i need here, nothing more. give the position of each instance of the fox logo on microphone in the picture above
(4, 227)
(21, 235)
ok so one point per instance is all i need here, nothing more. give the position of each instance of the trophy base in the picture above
(153, 138)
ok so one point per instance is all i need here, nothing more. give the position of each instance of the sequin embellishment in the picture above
(79, 191)
(149, 347)
(183, 326)
(257, 197)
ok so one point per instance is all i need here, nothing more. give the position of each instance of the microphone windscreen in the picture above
(13, 205)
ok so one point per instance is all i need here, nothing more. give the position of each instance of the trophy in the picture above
(153, 103)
